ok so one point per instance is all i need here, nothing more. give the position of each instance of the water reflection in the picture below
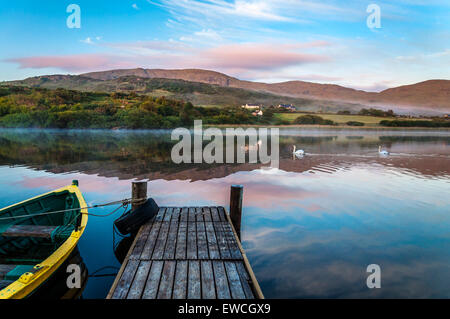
(56, 287)
(310, 228)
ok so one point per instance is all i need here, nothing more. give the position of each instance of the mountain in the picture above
(432, 94)
(201, 94)
(214, 88)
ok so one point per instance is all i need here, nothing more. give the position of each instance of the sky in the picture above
(326, 41)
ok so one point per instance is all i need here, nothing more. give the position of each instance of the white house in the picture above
(256, 113)
(251, 106)
(289, 107)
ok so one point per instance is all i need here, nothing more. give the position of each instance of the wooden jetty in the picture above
(188, 253)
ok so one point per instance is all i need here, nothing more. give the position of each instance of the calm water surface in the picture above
(310, 228)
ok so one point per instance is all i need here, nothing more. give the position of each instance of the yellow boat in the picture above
(36, 237)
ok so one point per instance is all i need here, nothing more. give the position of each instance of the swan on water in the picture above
(382, 152)
(298, 152)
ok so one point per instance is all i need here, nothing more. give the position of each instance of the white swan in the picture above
(382, 152)
(298, 152)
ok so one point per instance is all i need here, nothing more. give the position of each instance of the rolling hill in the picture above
(206, 87)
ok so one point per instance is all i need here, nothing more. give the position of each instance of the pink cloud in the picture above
(257, 56)
(73, 63)
(234, 59)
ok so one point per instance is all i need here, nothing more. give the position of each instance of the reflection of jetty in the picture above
(188, 253)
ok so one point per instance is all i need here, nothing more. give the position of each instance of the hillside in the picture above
(430, 95)
(198, 93)
(210, 88)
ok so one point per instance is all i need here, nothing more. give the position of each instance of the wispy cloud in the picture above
(135, 6)
(73, 63)
(90, 40)
(235, 59)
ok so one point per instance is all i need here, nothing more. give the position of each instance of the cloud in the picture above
(194, 9)
(253, 56)
(234, 59)
(135, 6)
(89, 40)
(73, 63)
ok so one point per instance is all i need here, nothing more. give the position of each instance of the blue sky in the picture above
(264, 40)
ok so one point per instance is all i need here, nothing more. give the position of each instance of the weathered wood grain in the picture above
(189, 252)
(237, 292)
(137, 287)
(169, 251)
(245, 280)
(220, 277)
(160, 244)
(202, 243)
(208, 285)
(212, 241)
(194, 288)
(127, 277)
(181, 280)
(29, 231)
(152, 284)
(167, 278)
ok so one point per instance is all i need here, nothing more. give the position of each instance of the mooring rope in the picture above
(124, 203)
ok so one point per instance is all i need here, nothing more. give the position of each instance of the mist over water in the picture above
(310, 228)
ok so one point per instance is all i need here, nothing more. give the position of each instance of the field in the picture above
(340, 119)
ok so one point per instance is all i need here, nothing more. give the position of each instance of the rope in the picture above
(94, 274)
(124, 202)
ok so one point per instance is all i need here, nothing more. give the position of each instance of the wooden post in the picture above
(236, 195)
(138, 191)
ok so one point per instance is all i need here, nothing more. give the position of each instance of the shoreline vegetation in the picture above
(25, 107)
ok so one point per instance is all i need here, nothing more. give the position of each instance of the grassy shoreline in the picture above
(335, 127)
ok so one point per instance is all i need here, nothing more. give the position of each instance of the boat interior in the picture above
(32, 230)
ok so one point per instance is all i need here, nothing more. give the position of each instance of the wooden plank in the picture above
(124, 284)
(176, 215)
(208, 284)
(194, 287)
(231, 241)
(220, 277)
(234, 282)
(168, 214)
(191, 214)
(160, 244)
(199, 214)
(245, 279)
(202, 243)
(180, 250)
(184, 214)
(222, 214)
(29, 231)
(167, 277)
(152, 284)
(207, 214)
(169, 251)
(160, 216)
(215, 214)
(222, 241)
(191, 252)
(140, 241)
(137, 287)
(212, 241)
(181, 280)
(149, 246)
(122, 268)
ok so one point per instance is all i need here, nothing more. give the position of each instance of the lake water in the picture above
(310, 228)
